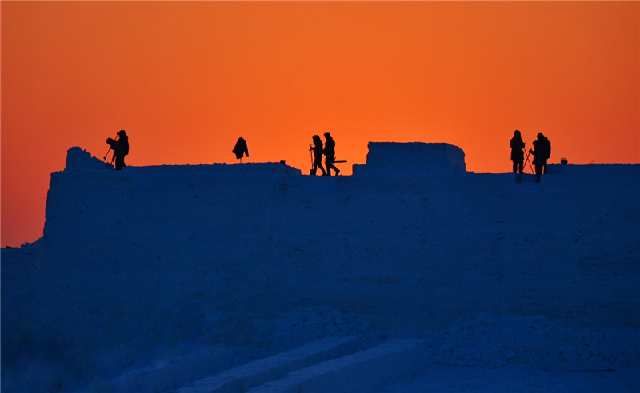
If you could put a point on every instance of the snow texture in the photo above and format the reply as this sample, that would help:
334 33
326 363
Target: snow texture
152 278
262 370
350 373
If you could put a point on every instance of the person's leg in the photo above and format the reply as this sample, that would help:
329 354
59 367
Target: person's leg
318 165
331 166
517 170
328 164
119 162
520 166
538 171
335 168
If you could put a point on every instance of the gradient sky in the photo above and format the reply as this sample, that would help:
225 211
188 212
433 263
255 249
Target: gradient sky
185 79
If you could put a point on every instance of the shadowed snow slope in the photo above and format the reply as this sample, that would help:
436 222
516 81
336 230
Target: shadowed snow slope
256 258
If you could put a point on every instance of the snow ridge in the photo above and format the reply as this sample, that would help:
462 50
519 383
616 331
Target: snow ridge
251 260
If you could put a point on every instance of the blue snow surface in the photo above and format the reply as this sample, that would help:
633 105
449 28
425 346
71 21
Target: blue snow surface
411 275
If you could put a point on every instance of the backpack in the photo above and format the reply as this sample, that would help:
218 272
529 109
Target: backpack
547 147
124 145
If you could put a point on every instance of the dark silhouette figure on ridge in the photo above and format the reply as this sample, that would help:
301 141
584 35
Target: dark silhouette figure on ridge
330 154
316 156
541 153
241 149
517 152
120 149
547 147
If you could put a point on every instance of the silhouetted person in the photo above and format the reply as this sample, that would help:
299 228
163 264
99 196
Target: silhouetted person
241 149
517 152
541 153
330 154
547 150
316 151
120 149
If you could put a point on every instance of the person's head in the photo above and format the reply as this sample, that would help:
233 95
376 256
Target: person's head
317 140
327 134
517 134
540 135
122 133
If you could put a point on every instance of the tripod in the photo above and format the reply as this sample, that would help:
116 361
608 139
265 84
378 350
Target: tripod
527 161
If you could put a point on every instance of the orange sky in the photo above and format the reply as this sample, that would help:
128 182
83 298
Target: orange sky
186 79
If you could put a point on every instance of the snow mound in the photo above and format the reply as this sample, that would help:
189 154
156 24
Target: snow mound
412 159
79 159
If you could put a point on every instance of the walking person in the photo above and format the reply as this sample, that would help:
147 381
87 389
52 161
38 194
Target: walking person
316 152
330 154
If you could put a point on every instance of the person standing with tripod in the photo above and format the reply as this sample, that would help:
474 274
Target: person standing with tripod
120 149
541 153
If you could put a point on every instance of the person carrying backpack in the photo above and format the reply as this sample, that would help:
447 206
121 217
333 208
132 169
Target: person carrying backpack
547 151
120 149
541 153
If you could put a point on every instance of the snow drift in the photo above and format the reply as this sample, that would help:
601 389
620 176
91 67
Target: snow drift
392 159
249 259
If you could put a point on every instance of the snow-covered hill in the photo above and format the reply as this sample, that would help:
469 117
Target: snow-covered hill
192 270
